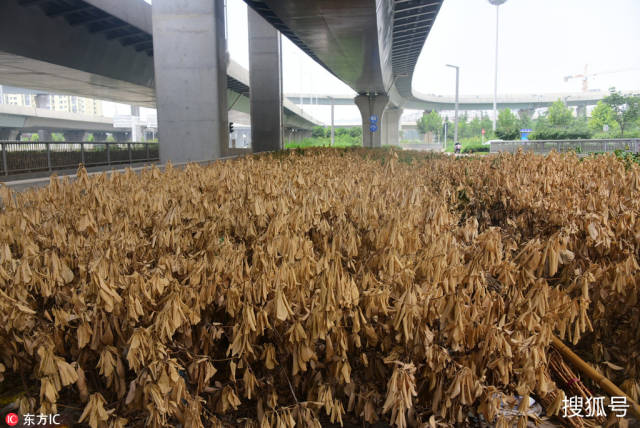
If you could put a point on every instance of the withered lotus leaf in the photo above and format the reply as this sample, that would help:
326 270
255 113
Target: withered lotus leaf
323 286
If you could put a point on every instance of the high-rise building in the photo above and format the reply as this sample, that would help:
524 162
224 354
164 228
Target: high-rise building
69 103
18 99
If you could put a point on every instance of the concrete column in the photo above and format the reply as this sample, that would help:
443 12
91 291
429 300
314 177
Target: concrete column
121 137
99 136
391 126
137 134
265 71
371 105
44 135
74 135
190 60
9 134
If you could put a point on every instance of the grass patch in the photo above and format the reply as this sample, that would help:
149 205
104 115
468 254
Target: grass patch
340 141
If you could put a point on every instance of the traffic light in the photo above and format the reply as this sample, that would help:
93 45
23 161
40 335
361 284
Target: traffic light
230 127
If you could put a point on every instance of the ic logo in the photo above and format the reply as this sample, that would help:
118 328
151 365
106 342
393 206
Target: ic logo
11 419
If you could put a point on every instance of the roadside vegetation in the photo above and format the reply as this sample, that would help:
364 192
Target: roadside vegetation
616 116
321 137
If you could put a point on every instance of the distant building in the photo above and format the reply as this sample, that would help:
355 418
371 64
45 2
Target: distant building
69 103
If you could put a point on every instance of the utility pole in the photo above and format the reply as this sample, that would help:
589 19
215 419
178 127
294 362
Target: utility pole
455 130
497 4
445 134
332 130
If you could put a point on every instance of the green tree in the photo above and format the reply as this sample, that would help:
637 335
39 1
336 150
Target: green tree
431 122
507 126
340 131
626 109
602 115
487 124
475 127
463 126
355 132
317 132
525 121
559 114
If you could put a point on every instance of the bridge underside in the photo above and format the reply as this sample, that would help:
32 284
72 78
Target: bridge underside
23 72
371 45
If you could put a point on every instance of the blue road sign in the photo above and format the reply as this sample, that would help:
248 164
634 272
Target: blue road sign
373 127
373 119
524 134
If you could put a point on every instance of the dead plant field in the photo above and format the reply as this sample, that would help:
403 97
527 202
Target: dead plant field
319 286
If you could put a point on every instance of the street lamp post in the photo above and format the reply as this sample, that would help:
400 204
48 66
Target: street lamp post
455 130
332 128
497 4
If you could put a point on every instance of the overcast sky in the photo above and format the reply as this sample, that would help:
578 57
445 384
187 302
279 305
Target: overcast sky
540 42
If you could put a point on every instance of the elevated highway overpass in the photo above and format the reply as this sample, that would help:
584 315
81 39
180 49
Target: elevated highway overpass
32 119
478 102
102 49
371 45
174 55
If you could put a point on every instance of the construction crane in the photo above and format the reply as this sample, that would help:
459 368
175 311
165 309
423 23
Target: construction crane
586 75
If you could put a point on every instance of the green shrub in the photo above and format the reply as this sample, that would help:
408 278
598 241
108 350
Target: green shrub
473 149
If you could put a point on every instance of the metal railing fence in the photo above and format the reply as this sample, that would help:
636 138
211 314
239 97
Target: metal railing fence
32 156
578 146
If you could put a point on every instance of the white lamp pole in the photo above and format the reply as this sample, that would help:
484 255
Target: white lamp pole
496 3
455 130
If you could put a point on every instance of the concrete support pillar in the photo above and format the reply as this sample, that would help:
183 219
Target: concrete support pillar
9 134
137 133
99 136
121 137
371 107
74 135
44 135
581 111
190 59
265 71
43 101
390 129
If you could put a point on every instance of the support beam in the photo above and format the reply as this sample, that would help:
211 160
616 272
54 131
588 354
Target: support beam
265 76
391 126
371 105
191 82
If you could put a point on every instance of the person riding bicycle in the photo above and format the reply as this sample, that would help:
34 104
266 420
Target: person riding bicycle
457 147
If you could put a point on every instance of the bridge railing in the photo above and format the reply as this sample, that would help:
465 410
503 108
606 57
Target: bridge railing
578 146
33 156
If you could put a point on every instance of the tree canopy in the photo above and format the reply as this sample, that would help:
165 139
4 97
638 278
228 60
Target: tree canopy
430 122
626 109
507 126
559 114
602 115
